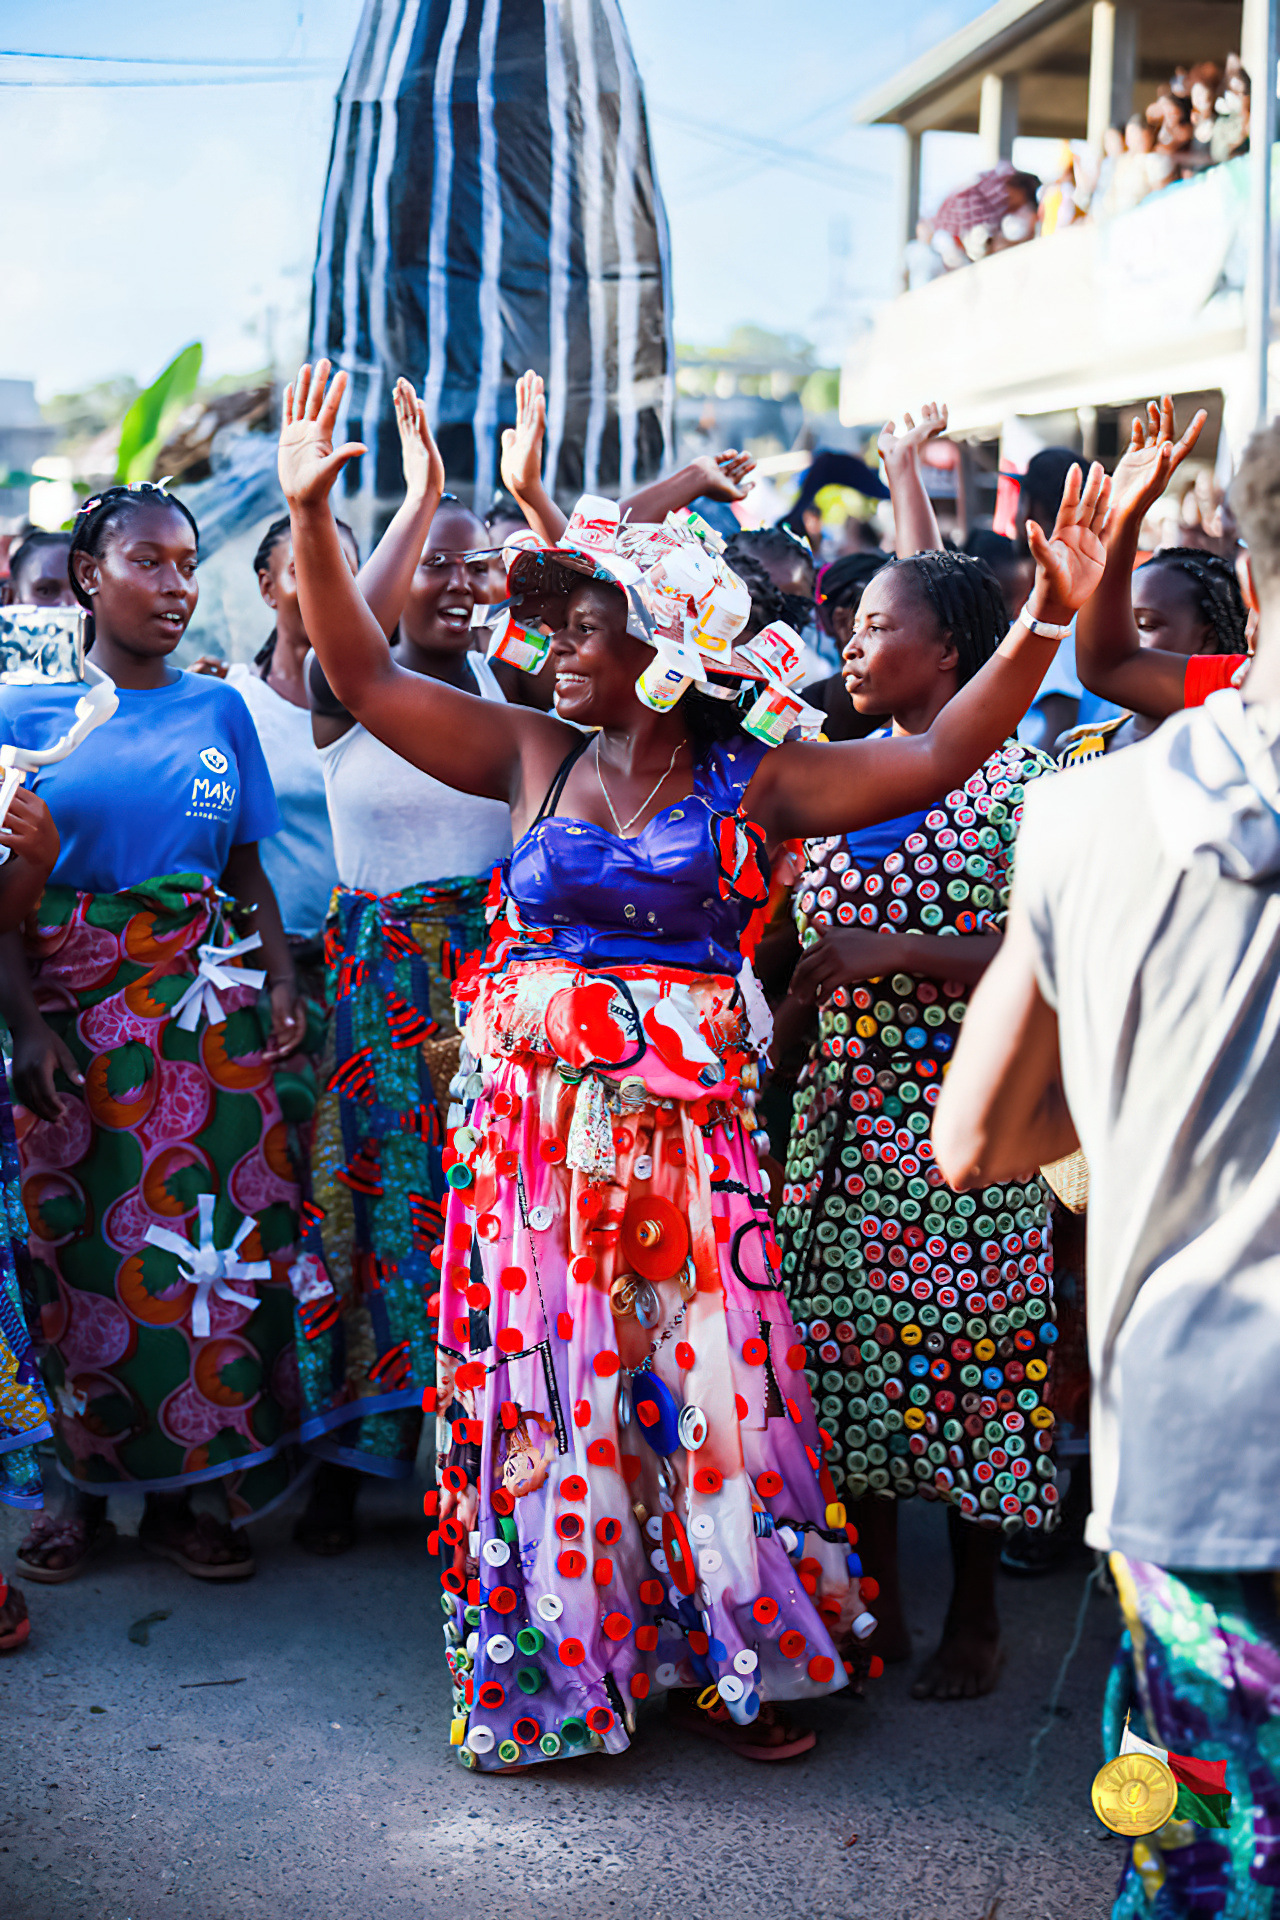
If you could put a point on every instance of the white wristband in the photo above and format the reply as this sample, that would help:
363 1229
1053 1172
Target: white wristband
1041 628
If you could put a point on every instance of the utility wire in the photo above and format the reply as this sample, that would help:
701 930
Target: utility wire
751 146
155 60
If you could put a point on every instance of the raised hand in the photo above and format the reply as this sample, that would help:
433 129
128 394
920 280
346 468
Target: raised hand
309 463
727 474
1069 563
1149 461
896 447
522 444
419 454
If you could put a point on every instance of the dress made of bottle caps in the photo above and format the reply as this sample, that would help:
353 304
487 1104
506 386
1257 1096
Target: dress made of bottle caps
633 1494
928 1315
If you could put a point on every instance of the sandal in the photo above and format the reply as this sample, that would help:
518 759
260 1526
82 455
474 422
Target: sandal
15 1628
62 1534
172 1543
738 1739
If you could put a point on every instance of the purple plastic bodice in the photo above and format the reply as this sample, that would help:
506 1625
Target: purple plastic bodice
652 900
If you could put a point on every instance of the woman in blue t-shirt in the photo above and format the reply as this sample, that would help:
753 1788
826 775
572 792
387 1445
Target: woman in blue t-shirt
142 1065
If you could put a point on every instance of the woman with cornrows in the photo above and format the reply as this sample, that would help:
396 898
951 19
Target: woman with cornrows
634 1496
162 1204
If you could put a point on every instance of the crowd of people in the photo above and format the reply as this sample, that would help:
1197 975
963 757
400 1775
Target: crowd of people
616 944
1198 119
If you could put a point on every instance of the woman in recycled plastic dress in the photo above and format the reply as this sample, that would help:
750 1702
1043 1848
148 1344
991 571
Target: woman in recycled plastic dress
633 1492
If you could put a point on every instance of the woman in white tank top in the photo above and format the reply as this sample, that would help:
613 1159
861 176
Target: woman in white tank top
414 865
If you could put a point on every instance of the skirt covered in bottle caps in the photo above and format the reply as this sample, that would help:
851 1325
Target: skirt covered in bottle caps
632 1490
928 1314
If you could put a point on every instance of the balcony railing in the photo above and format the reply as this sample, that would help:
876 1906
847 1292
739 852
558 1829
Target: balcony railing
1102 314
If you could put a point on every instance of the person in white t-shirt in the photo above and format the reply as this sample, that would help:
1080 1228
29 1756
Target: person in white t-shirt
274 687
1134 1009
414 861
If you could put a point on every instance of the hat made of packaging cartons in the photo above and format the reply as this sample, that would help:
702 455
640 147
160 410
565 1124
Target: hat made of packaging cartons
682 599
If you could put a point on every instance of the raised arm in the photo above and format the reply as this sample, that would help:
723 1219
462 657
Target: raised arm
387 575
522 460
804 791
1110 658
721 476
915 525
473 745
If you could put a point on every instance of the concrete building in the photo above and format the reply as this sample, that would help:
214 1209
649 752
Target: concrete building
1058 339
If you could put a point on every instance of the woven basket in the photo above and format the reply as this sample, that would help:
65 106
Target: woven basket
1069 1178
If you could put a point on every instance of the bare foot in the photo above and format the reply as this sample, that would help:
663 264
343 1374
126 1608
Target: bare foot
966 1665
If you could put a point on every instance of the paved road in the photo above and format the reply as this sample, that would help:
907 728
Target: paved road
320 1787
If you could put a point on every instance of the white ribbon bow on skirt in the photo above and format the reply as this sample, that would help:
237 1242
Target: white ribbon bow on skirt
211 1267
213 972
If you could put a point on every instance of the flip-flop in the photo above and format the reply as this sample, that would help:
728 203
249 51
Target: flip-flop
49 1535
198 1569
710 1729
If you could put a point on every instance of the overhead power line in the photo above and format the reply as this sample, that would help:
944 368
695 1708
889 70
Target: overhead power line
157 60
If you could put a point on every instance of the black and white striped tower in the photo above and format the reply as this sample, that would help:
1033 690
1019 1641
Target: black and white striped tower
491 205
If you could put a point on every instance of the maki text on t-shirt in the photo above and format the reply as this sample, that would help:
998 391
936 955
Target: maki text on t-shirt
212 799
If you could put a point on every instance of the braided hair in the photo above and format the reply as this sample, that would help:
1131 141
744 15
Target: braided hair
97 518
1219 600
965 595
746 553
843 583
275 535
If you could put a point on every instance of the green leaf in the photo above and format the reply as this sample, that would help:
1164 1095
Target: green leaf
140 1631
146 425
129 1068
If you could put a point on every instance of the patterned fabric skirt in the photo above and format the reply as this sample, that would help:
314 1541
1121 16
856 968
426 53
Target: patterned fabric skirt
633 1493
160 1379
928 1315
364 1345
24 1407
1206 1656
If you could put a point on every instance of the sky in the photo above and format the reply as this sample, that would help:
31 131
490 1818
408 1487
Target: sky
134 218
